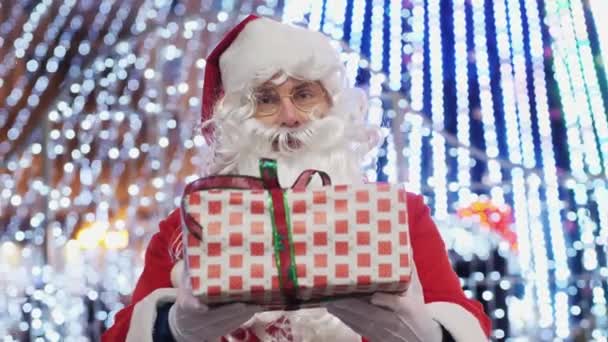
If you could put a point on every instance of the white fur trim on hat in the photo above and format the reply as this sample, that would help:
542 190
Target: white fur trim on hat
462 324
143 317
266 47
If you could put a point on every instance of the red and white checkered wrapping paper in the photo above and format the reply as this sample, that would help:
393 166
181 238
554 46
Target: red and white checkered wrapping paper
347 239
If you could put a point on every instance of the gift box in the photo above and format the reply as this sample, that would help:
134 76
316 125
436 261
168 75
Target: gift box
249 240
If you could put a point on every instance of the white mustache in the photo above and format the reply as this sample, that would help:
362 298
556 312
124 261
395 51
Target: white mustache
288 142
318 134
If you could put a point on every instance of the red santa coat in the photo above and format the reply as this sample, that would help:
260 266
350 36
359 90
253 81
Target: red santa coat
463 318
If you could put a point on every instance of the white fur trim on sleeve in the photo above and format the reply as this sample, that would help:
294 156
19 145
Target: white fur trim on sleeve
144 314
177 273
462 324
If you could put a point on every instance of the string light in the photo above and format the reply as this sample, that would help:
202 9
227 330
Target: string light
375 113
376 36
514 155
578 120
334 19
20 44
413 151
356 29
462 99
438 180
600 123
316 13
553 206
21 48
8 25
594 94
522 101
294 11
395 46
573 135
485 99
64 110
567 49
598 8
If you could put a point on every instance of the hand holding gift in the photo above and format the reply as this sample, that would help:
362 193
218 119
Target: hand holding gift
390 318
191 321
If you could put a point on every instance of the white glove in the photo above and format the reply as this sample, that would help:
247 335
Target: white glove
191 321
390 318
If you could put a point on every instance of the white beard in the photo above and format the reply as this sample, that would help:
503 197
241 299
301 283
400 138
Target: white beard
336 165
325 146
336 143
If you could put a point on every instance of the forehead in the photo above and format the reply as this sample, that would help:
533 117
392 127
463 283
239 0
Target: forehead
279 83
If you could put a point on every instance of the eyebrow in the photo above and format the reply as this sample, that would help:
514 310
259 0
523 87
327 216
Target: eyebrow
263 88
303 84
268 86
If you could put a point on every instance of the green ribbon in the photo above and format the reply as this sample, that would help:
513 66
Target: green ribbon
268 170
276 240
269 165
293 271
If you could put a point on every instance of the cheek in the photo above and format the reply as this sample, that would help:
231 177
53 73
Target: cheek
266 120
323 110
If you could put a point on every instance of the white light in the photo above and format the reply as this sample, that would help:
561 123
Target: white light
462 98
376 35
558 244
183 87
113 153
157 182
16 200
149 74
222 16
163 142
199 140
171 124
316 12
577 80
512 97
357 25
36 148
395 48
499 313
133 190
334 18
133 152
440 202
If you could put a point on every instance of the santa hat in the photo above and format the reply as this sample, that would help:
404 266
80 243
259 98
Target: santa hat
258 48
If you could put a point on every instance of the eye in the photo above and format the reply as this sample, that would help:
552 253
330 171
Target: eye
304 94
266 98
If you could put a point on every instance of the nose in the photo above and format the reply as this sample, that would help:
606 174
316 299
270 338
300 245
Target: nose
289 115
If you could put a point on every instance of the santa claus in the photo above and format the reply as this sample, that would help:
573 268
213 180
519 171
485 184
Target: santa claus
278 91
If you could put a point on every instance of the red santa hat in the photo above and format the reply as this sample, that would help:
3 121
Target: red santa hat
259 47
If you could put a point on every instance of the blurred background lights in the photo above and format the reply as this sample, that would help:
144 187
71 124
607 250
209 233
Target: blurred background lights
494 110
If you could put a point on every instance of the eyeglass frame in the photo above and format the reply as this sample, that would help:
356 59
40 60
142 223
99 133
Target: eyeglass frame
252 98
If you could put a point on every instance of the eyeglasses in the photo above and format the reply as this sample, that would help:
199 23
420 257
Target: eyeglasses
305 97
